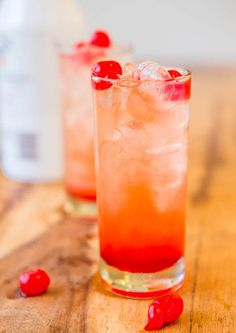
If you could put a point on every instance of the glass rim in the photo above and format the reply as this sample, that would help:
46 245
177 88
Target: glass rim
187 75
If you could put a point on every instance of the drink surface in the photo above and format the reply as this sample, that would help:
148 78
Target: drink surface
142 127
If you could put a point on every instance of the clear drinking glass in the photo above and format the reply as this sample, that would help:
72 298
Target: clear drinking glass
141 169
75 68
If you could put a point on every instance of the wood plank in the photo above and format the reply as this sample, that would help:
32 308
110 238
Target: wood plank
214 207
76 302
67 253
10 193
29 212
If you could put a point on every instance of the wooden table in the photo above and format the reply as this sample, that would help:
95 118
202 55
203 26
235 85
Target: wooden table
35 232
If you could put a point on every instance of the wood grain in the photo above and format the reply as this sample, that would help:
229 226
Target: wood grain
35 232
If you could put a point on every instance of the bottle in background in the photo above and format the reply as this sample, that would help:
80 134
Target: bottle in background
29 85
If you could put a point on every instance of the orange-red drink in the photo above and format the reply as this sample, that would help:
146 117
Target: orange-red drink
141 147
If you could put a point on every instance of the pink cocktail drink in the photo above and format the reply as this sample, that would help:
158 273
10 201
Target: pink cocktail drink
78 120
78 125
142 143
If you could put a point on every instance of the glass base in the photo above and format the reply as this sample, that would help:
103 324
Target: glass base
82 209
142 285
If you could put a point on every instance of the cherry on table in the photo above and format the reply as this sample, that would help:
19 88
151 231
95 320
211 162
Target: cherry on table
173 305
155 318
165 309
34 282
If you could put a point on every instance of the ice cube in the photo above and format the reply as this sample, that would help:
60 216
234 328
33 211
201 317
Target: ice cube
127 77
129 69
151 70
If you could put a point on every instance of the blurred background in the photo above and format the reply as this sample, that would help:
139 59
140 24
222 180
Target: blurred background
46 161
180 32
199 34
